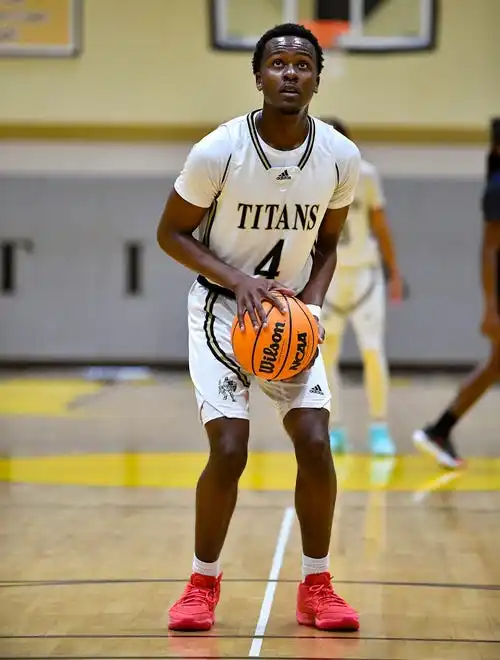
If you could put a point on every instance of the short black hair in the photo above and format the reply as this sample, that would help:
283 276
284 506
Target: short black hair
340 127
286 30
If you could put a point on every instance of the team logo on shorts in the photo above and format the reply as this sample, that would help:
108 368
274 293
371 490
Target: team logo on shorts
227 388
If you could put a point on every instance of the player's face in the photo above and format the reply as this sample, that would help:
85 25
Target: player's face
288 76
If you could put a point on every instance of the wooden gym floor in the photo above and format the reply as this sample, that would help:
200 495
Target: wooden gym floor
96 529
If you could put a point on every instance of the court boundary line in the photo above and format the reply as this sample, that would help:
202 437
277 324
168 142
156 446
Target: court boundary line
12 584
166 635
174 657
167 507
272 582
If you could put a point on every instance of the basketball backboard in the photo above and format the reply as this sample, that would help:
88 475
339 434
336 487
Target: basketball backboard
355 26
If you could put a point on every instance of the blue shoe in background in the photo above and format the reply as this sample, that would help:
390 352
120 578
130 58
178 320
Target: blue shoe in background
381 443
338 440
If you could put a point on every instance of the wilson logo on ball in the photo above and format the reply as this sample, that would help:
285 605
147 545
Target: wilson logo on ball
281 350
270 353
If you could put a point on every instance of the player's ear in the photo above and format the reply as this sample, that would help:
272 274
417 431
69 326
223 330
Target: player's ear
258 81
317 85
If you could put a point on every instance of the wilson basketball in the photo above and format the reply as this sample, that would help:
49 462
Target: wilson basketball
284 348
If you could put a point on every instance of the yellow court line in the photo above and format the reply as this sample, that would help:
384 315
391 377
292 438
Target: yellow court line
43 397
381 470
265 471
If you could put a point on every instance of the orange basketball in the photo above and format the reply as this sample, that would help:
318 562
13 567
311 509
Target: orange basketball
284 348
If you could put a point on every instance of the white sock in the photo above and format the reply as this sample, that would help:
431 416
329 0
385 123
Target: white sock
206 568
311 565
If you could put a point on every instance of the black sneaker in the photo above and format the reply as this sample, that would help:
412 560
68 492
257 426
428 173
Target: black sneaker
441 449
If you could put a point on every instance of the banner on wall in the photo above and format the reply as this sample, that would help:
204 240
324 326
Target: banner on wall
40 28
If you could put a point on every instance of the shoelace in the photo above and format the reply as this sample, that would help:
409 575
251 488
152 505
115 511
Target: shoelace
197 596
326 595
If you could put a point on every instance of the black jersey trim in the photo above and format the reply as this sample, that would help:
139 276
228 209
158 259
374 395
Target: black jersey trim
255 139
213 207
252 129
214 347
215 288
310 144
210 221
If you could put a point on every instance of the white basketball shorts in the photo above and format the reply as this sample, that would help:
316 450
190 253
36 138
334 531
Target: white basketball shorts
357 295
222 388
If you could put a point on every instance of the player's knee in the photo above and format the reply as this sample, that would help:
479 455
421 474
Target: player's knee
312 446
372 352
229 454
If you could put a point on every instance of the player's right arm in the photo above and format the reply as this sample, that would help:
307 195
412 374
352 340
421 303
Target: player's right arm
192 195
490 268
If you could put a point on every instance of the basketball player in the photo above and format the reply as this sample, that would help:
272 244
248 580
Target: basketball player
357 294
436 438
268 194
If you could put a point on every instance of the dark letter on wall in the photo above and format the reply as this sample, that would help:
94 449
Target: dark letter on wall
9 251
133 268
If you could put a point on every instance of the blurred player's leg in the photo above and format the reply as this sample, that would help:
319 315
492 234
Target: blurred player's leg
334 322
331 354
436 438
369 325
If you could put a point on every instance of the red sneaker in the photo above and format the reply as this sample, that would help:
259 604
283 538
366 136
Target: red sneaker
318 605
195 609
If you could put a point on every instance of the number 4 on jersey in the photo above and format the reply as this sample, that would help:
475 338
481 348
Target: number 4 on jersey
269 266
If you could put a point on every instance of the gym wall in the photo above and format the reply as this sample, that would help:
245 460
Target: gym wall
150 62
81 276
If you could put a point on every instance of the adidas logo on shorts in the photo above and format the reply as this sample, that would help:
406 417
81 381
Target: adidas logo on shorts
316 390
284 176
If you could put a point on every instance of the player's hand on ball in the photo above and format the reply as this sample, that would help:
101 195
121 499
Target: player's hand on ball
251 291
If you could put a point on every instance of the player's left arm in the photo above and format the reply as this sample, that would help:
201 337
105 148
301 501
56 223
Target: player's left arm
383 235
381 230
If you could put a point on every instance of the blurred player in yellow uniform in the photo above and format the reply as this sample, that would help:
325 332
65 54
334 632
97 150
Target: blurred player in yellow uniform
357 294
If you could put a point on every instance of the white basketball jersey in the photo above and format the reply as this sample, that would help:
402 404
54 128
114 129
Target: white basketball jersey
357 245
265 206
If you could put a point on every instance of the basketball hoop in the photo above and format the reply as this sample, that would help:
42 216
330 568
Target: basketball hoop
328 32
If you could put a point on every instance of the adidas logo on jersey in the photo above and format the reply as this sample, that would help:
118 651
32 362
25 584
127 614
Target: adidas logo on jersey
316 390
284 176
